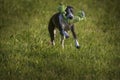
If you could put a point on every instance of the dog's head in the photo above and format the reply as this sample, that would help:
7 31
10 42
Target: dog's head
69 12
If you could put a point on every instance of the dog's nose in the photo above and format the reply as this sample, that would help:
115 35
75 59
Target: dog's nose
71 17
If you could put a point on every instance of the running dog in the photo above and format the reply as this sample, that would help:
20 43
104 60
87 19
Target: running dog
58 21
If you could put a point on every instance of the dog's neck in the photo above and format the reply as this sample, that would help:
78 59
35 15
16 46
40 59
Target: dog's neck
65 23
65 19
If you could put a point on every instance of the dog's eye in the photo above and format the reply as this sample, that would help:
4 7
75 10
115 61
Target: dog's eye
71 10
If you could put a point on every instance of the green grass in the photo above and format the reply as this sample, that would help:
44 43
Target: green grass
25 53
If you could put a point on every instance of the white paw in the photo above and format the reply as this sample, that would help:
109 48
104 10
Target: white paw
53 43
77 44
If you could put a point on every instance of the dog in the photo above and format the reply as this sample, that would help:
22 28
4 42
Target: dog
58 21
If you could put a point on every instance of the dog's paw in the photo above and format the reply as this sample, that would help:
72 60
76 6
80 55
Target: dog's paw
66 37
78 47
52 43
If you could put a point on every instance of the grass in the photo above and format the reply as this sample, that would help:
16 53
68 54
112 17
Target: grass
25 53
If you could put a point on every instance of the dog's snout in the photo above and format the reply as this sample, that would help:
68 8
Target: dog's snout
71 17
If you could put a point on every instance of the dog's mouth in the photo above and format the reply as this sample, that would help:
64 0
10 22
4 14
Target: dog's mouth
70 16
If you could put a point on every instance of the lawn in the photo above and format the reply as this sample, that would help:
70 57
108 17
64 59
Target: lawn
25 52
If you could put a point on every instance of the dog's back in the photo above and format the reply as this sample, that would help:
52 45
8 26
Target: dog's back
54 21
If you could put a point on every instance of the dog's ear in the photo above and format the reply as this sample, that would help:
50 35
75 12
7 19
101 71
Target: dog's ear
70 7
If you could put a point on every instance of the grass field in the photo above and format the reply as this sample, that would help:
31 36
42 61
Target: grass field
25 53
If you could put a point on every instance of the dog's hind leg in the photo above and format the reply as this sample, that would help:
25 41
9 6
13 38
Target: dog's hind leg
54 32
62 40
51 28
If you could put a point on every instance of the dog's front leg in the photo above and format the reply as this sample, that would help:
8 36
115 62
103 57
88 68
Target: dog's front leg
65 34
74 35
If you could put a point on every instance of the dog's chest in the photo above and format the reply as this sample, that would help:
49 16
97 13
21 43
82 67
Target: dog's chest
64 24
